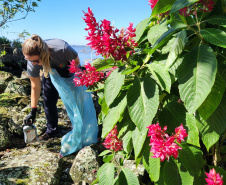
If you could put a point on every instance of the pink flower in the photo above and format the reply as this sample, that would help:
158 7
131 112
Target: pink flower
152 3
87 77
72 67
180 133
162 145
107 40
214 178
112 142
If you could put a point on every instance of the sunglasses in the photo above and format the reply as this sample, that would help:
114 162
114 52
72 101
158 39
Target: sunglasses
35 61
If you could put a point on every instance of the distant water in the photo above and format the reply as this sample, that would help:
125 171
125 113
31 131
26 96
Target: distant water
85 53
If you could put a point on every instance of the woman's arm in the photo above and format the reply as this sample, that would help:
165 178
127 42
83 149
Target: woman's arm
35 90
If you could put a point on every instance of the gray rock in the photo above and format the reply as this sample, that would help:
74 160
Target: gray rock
30 166
85 165
4 138
5 77
20 86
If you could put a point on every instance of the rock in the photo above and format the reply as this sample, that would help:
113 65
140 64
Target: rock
85 165
30 166
5 77
20 86
4 138
131 164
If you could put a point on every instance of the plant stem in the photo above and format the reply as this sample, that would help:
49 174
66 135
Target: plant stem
215 157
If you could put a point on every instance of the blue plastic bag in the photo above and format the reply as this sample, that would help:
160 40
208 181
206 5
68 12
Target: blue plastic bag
80 109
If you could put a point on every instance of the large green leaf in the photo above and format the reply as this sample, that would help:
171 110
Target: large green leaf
176 48
181 4
152 165
101 63
127 177
114 114
106 174
199 179
113 85
140 28
162 6
127 142
213 99
171 173
186 177
172 115
193 132
196 76
161 75
143 101
191 158
212 129
138 141
208 135
217 20
156 31
214 36
163 39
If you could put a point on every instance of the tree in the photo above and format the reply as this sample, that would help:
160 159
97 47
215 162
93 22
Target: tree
9 8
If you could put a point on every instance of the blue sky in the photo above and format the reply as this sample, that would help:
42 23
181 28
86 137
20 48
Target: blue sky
63 18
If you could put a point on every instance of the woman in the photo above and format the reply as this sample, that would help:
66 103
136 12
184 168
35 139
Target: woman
53 57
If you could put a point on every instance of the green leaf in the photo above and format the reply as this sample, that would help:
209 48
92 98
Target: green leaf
140 28
104 152
196 76
113 85
191 158
127 142
208 135
114 114
106 174
171 173
163 39
176 48
213 99
108 158
162 6
186 177
100 63
217 20
161 75
199 179
98 87
181 4
130 70
214 36
138 141
156 31
172 115
193 132
130 177
143 101
152 165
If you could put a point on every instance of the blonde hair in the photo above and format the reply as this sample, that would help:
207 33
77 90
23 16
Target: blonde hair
36 46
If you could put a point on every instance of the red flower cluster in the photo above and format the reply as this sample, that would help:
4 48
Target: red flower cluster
163 145
86 77
107 40
214 178
112 142
202 5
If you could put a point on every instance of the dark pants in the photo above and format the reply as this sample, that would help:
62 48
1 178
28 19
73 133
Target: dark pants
50 96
